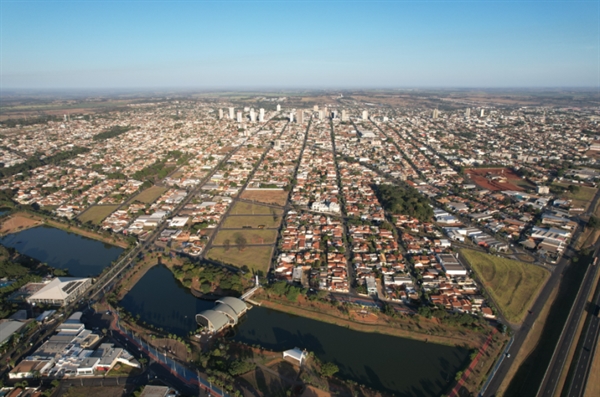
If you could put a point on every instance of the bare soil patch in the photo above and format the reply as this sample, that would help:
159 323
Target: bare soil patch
276 197
18 222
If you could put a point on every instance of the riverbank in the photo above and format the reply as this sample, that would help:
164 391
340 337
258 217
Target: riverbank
23 220
404 328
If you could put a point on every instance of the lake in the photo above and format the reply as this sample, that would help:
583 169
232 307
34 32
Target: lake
403 367
82 256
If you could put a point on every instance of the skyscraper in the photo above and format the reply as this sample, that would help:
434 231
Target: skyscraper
435 114
231 115
482 113
365 115
468 112
261 115
316 108
278 107
321 114
239 117
344 115
291 117
220 114
252 115
299 116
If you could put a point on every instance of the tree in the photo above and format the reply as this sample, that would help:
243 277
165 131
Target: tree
240 242
594 222
227 244
327 370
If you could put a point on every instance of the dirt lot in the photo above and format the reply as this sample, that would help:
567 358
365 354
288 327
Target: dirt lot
17 223
276 197
483 178
150 195
242 208
256 258
94 391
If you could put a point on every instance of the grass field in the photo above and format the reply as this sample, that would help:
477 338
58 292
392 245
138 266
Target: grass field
513 284
241 208
150 195
97 213
256 258
277 197
254 221
580 199
253 236
94 391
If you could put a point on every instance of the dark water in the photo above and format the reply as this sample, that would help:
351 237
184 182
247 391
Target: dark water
63 250
403 367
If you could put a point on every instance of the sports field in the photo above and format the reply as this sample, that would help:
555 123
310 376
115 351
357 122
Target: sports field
512 284
97 213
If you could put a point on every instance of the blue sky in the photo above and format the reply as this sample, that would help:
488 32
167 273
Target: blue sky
296 44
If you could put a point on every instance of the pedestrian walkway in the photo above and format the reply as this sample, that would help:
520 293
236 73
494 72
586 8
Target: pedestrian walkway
465 375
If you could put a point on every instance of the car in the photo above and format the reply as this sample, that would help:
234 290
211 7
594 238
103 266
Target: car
507 355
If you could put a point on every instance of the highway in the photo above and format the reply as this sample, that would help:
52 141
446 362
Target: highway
584 361
520 333
568 335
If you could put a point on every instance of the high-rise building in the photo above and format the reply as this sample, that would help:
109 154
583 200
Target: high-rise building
334 114
299 116
261 115
325 111
220 114
365 115
291 117
231 115
316 108
239 117
321 114
344 115
435 113
482 113
65 118
468 112
252 115
278 107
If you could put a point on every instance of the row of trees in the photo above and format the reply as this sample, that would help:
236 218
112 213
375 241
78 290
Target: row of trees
112 132
35 161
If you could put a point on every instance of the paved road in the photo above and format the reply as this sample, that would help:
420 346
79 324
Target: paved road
565 343
520 335
590 340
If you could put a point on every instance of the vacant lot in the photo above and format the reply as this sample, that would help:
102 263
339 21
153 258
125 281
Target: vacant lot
256 258
252 236
513 284
17 223
97 213
276 197
581 198
241 208
94 391
252 221
150 195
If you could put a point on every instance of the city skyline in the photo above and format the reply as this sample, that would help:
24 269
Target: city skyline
298 44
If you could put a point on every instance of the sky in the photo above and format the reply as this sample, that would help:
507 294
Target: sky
82 44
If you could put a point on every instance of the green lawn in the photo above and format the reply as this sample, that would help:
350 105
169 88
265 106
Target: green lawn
242 208
150 195
253 236
256 258
97 213
254 221
581 198
512 284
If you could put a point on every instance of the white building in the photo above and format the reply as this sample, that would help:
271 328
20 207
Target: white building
261 115
60 291
231 113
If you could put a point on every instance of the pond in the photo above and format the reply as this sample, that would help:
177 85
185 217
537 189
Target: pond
403 367
82 256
